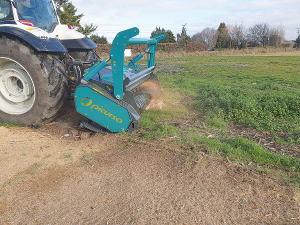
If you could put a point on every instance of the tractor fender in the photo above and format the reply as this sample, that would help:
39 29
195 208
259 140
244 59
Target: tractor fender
41 43
79 44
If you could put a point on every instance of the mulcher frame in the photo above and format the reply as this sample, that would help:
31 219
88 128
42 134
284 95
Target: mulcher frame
116 98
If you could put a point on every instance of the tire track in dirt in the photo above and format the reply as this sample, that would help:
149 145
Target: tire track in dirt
23 151
139 184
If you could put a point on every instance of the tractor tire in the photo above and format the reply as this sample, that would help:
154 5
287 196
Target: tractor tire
32 85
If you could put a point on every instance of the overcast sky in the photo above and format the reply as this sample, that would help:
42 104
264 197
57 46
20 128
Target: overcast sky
116 15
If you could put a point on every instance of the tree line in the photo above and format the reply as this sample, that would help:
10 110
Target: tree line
226 36
230 36
182 38
238 36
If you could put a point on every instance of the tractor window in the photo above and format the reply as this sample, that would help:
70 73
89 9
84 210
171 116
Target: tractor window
40 12
5 10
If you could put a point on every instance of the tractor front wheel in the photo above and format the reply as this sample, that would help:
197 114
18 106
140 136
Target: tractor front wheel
32 85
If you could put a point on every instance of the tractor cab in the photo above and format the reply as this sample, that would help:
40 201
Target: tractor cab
35 13
5 10
38 13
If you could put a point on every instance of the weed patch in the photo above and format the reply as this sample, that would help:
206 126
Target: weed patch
263 110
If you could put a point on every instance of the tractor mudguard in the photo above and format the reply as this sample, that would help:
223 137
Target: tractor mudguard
79 44
38 43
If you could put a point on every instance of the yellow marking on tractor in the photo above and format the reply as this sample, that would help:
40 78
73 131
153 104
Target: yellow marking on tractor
98 91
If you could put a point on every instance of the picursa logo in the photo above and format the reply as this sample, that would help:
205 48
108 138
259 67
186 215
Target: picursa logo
86 101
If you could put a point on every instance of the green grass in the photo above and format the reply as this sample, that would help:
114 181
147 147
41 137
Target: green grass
7 125
247 151
154 127
259 92
67 156
267 109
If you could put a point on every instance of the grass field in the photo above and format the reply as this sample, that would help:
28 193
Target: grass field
220 97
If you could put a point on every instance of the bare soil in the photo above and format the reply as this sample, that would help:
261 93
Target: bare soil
61 174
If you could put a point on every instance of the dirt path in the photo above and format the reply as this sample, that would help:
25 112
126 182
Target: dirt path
59 175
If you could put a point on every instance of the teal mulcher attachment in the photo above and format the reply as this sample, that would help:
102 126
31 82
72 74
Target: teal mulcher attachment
109 104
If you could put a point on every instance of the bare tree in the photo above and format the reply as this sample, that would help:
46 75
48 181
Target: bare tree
259 34
276 35
208 36
237 34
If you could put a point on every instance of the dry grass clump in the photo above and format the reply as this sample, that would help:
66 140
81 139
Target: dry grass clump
232 52
266 51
